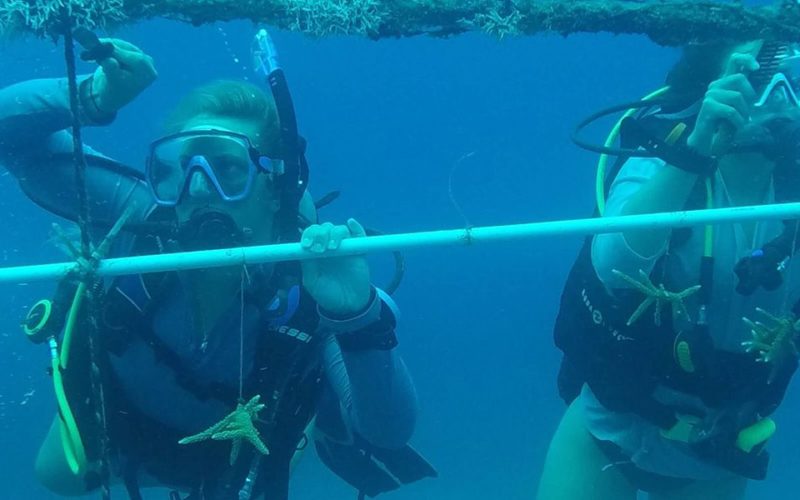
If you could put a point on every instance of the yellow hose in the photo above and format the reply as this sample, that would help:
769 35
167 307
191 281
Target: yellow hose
72 319
602 163
71 441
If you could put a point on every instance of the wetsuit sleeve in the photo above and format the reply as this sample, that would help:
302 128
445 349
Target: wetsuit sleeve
36 146
369 378
36 113
611 251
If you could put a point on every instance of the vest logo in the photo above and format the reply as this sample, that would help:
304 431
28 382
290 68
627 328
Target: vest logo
294 332
599 320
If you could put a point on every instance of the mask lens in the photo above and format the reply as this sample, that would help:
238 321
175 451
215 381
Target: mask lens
789 63
224 158
165 174
781 90
231 170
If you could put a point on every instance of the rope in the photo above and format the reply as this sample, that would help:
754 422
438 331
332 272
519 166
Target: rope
79 159
87 276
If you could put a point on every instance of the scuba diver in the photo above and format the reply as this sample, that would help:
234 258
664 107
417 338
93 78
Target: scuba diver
680 343
208 382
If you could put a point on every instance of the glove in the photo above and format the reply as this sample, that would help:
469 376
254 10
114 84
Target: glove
121 77
759 269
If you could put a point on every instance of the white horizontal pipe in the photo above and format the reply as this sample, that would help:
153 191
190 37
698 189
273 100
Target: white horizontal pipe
293 251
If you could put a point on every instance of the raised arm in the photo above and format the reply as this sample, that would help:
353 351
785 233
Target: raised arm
36 145
648 186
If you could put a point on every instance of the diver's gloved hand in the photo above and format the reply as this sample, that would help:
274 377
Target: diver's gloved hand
121 77
760 269
725 108
340 285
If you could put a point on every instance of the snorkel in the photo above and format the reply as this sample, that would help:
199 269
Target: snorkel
292 181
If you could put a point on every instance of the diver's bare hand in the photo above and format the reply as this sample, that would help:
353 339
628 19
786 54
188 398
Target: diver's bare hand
121 77
726 107
338 284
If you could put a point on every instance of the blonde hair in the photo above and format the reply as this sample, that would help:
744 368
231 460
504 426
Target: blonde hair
232 99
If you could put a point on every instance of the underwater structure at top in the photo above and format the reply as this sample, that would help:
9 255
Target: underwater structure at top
666 22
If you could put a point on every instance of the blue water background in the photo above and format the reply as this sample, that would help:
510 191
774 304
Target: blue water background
387 123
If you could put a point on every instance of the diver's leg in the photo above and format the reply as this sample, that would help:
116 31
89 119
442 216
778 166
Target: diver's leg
575 467
52 469
729 489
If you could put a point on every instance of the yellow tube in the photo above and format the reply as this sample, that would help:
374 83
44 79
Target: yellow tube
72 319
602 163
71 441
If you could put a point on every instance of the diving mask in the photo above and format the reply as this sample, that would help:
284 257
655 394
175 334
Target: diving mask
227 159
776 81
